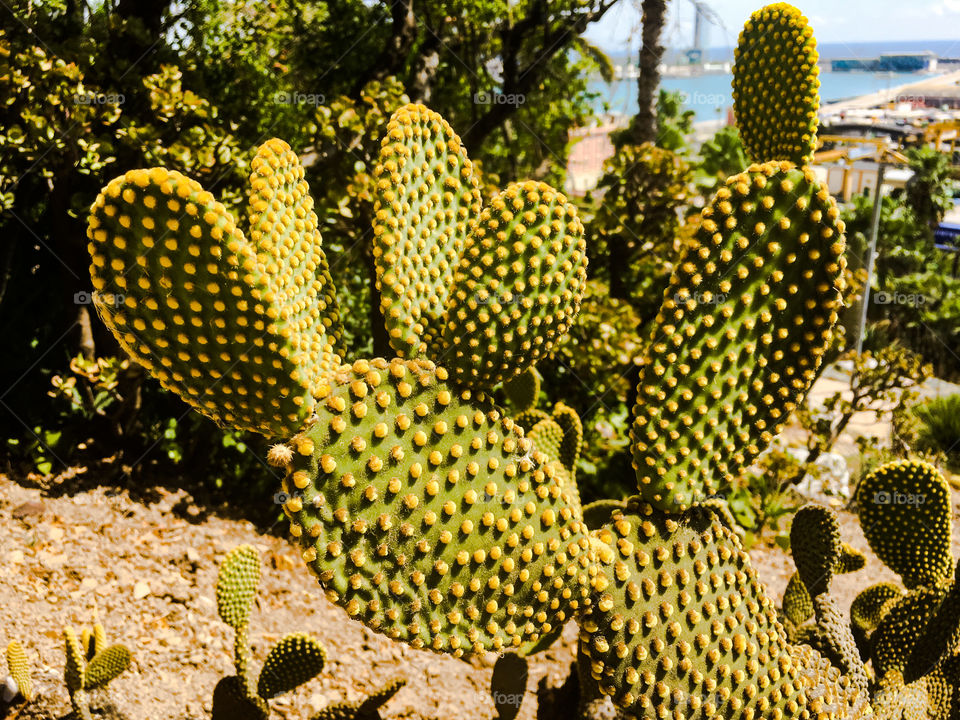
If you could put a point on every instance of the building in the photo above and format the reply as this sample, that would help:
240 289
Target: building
924 61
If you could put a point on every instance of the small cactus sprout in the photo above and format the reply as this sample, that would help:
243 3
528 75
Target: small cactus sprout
776 85
81 675
296 658
366 709
19 681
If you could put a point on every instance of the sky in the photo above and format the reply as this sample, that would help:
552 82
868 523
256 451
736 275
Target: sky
832 21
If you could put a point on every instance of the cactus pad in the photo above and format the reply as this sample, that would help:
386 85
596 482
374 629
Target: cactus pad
850 560
427 516
797 603
523 391
517 287
74 667
680 624
427 201
597 514
231 701
569 421
905 512
366 709
896 636
739 336
776 85
870 605
547 437
105 666
238 329
296 659
237 582
815 545
19 668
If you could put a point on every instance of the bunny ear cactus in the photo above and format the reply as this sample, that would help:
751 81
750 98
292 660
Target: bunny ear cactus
523 391
82 676
243 330
296 659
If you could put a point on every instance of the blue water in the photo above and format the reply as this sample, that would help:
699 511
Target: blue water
709 96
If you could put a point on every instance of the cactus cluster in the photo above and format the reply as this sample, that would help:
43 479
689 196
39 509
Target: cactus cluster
295 659
90 664
902 644
425 509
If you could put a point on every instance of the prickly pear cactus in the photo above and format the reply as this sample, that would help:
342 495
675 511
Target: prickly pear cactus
425 510
294 660
19 669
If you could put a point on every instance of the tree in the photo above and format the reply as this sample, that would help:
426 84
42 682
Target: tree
643 128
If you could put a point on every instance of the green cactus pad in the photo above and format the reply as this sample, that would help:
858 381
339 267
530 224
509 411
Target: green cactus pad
523 391
740 334
366 709
19 668
905 512
199 306
898 632
547 437
928 698
296 659
939 639
231 701
517 288
428 517
870 605
74 666
680 624
797 603
836 635
285 232
528 418
237 582
427 201
850 560
569 421
776 85
105 666
816 547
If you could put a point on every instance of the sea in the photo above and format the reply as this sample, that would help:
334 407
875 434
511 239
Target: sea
709 95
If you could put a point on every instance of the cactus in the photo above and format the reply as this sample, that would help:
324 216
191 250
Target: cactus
425 510
90 666
523 391
775 85
19 668
366 709
294 660
909 637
